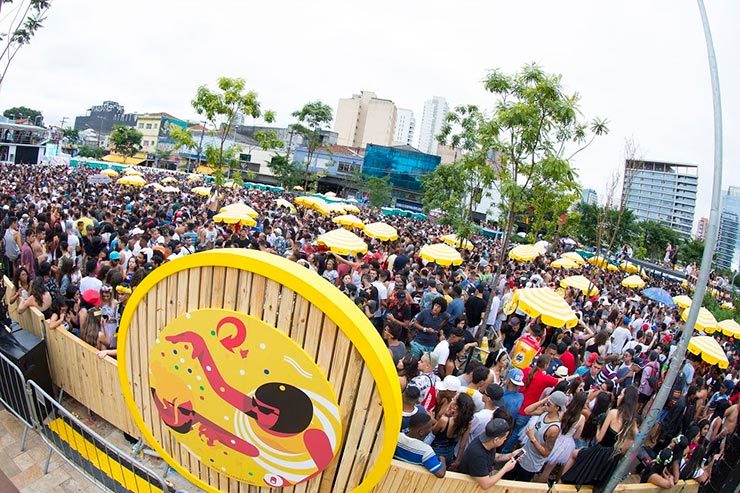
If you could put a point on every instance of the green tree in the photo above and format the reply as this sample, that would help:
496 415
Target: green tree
691 251
91 152
183 139
456 188
589 216
654 236
22 112
221 108
311 121
71 135
378 190
288 173
535 131
125 141
20 29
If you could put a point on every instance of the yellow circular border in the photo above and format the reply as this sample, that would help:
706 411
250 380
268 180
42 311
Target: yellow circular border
332 302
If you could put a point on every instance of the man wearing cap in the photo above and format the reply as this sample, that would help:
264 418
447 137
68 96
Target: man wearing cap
411 448
480 456
541 435
512 399
491 401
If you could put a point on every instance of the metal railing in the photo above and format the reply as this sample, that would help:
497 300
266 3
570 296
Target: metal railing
13 395
104 464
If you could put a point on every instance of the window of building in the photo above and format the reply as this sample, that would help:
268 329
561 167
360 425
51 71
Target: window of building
347 167
148 125
141 125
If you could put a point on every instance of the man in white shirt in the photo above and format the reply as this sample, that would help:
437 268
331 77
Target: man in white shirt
491 401
619 338
90 282
442 350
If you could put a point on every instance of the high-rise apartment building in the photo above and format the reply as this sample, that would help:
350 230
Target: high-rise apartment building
432 119
589 196
701 229
727 253
405 126
663 192
365 119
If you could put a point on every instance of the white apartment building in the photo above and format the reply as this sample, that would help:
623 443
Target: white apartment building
405 127
365 119
432 119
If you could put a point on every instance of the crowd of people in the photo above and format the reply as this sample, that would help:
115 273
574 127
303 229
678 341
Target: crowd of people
76 251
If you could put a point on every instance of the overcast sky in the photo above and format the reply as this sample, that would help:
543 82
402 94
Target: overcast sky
640 64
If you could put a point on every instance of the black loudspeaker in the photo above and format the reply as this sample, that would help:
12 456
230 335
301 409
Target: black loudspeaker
28 353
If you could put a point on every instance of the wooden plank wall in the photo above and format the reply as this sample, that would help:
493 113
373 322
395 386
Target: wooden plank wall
231 288
29 318
408 478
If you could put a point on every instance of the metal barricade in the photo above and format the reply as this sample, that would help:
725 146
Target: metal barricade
86 451
13 395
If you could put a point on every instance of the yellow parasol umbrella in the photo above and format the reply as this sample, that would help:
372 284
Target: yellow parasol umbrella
728 306
456 242
284 203
235 215
328 209
541 246
629 267
202 191
633 281
298 188
545 303
240 208
441 254
349 220
132 172
133 180
169 179
193 178
705 321
109 172
204 170
581 283
709 349
330 194
574 257
381 231
308 201
729 328
155 186
170 189
524 253
230 184
683 301
351 208
343 242
564 263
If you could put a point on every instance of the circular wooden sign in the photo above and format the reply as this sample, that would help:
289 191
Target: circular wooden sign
243 368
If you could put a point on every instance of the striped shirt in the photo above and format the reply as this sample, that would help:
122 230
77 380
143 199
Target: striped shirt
416 452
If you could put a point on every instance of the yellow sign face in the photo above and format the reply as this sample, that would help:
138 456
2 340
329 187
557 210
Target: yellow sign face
244 398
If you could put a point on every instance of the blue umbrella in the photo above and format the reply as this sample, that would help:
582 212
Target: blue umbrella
660 295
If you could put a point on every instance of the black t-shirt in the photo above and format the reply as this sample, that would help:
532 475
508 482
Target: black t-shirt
474 309
400 263
510 335
477 462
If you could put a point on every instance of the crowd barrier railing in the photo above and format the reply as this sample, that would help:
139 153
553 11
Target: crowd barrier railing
13 395
85 450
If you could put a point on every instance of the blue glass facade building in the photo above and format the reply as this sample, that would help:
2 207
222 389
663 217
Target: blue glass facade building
727 254
404 164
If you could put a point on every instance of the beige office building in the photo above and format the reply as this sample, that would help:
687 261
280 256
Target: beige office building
365 119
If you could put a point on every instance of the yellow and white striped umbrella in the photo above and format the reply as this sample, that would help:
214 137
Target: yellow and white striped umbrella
351 208
155 186
709 349
441 254
545 303
729 328
202 191
633 281
683 301
524 253
541 246
343 242
234 216
308 201
284 203
581 283
169 179
170 189
629 267
564 263
109 172
240 208
133 180
230 184
328 209
381 231
349 220
192 178
132 172
704 322
456 242
574 257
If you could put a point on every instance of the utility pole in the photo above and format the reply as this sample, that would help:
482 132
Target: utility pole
61 123
679 355
200 146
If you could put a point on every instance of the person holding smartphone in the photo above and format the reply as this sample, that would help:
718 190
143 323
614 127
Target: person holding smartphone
480 456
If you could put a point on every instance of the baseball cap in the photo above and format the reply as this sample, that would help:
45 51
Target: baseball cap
558 398
516 376
592 357
495 392
451 383
514 321
114 256
495 428
91 297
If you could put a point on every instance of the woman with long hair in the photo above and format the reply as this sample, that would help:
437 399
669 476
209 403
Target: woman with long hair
108 308
91 330
453 426
593 465
39 297
498 362
21 285
571 425
408 369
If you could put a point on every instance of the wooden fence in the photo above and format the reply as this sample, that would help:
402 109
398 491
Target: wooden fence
407 478
76 368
